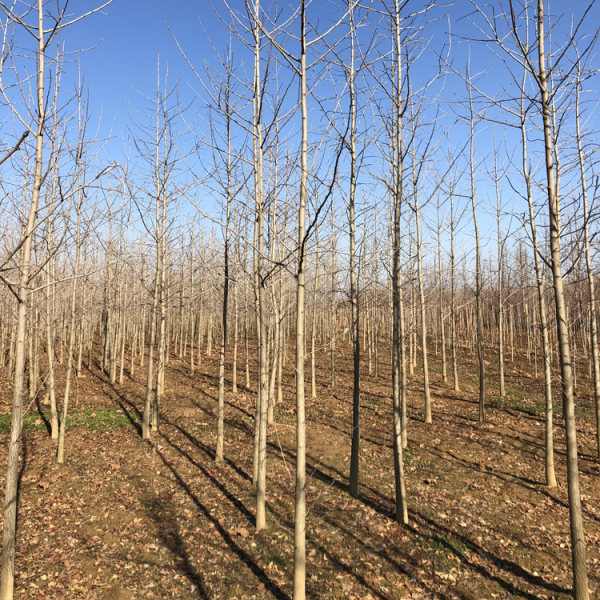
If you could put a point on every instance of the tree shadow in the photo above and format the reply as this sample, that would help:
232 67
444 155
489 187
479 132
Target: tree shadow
248 560
168 531
499 562
408 566
386 509
21 472
42 415
129 409
204 448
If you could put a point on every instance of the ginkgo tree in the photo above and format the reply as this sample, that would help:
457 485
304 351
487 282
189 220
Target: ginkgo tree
40 22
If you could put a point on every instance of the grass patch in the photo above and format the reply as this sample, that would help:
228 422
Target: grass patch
31 422
415 458
445 550
154 505
285 417
409 456
111 419
525 403
276 557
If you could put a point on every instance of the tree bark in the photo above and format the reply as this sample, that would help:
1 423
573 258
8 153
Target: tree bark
578 551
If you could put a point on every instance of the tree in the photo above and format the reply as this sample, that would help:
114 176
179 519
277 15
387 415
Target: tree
554 213
355 321
541 296
529 51
156 145
478 274
31 18
300 67
78 176
588 258
398 360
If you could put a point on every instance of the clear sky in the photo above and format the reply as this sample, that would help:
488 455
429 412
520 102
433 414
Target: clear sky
125 43
126 39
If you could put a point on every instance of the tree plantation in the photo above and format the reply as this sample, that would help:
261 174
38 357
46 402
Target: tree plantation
314 315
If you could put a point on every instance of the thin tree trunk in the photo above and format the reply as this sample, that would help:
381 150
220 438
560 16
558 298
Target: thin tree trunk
260 444
313 375
12 472
548 429
229 200
422 313
441 284
300 496
355 322
397 334
580 582
50 291
478 283
590 276
500 285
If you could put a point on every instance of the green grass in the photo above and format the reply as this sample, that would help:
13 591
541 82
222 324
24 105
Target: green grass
110 419
526 403
519 403
420 460
154 505
445 550
409 456
285 418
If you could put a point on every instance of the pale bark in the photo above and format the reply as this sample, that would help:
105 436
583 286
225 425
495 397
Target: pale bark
60 454
478 275
300 495
422 307
226 282
313 370
548 420
589 271
260 435
355 323
12 473
397 318
578 552
50 292
502 387
441 299
453 296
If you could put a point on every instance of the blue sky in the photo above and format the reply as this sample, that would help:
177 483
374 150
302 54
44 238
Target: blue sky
125 41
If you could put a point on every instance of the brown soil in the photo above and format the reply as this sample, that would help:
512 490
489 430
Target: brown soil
123 519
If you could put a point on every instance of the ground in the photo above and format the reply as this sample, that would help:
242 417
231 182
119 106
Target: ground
124 519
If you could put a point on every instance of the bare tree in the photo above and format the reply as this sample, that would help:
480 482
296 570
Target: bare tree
531 55
588 257
78 177
300 65
478 274
541 296
355 321
398 360
31 18
554 213
156 145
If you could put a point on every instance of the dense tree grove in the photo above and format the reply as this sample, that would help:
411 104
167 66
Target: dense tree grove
407 179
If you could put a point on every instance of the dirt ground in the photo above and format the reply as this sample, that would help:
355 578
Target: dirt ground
124 519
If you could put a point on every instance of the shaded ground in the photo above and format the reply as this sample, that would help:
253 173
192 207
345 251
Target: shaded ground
123 519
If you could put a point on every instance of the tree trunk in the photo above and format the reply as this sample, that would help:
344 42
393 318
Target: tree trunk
12 472
576 521
355 323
